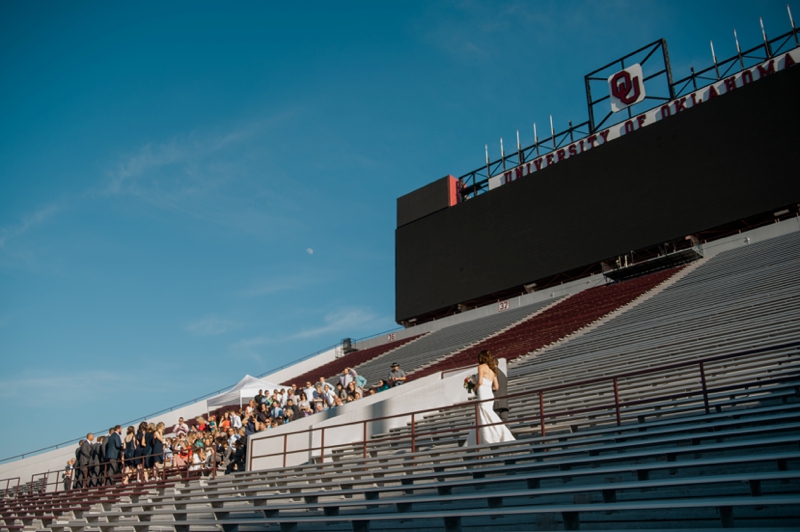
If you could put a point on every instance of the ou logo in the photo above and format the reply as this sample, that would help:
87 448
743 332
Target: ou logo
626 88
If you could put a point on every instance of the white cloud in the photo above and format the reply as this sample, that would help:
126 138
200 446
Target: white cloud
343 320
27 222
205 176
247 343
479 31
212 326
149 157
245 349
73 387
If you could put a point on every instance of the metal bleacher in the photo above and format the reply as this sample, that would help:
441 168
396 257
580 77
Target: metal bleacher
707 373
742 299
446 341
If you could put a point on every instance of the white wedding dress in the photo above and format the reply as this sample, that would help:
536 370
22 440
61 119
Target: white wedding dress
486 416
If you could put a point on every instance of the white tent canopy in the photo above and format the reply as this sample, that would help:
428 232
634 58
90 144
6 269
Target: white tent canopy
246 389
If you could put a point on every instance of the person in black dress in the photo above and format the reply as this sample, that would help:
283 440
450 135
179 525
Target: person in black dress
148 450
129 454
139 453
158 449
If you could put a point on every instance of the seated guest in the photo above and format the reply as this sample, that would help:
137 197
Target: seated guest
382 385
325 385
304 403
250 425
263 414
352 389
223 451
291 407
236 420
232 437
180 428
202 424
397 376
237 459
168 450
341 392
319 396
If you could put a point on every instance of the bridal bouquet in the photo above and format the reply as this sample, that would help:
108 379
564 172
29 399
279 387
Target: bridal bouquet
470 383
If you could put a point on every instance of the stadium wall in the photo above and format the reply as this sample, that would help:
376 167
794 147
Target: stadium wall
428 392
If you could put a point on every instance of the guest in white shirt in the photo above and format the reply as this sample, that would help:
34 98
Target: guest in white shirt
180 428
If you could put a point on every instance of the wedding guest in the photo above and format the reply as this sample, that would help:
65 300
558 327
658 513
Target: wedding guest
180 428
397 376
68 473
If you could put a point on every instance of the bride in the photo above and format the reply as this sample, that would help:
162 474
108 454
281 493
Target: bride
492 428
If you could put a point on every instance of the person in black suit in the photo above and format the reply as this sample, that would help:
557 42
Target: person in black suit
95 463
80 473
500 406
237 458
113 453
84 455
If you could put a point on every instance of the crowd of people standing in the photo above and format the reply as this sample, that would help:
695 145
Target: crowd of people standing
143 453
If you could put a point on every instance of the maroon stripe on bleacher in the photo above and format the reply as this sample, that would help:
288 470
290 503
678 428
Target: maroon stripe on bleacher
555 323
351 360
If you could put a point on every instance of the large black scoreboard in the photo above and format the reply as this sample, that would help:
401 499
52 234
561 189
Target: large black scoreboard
725 159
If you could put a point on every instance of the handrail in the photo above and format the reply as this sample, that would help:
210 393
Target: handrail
102 474
542 416
8 485
476 181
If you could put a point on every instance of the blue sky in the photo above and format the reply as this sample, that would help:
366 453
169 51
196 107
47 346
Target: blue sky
190 192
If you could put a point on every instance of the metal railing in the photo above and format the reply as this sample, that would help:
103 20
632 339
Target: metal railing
616 409
122 471
476 181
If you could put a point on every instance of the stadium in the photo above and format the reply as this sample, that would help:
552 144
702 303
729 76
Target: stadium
637 277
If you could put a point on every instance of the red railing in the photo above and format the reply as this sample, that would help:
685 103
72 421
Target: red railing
8 482
542 416
99 475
